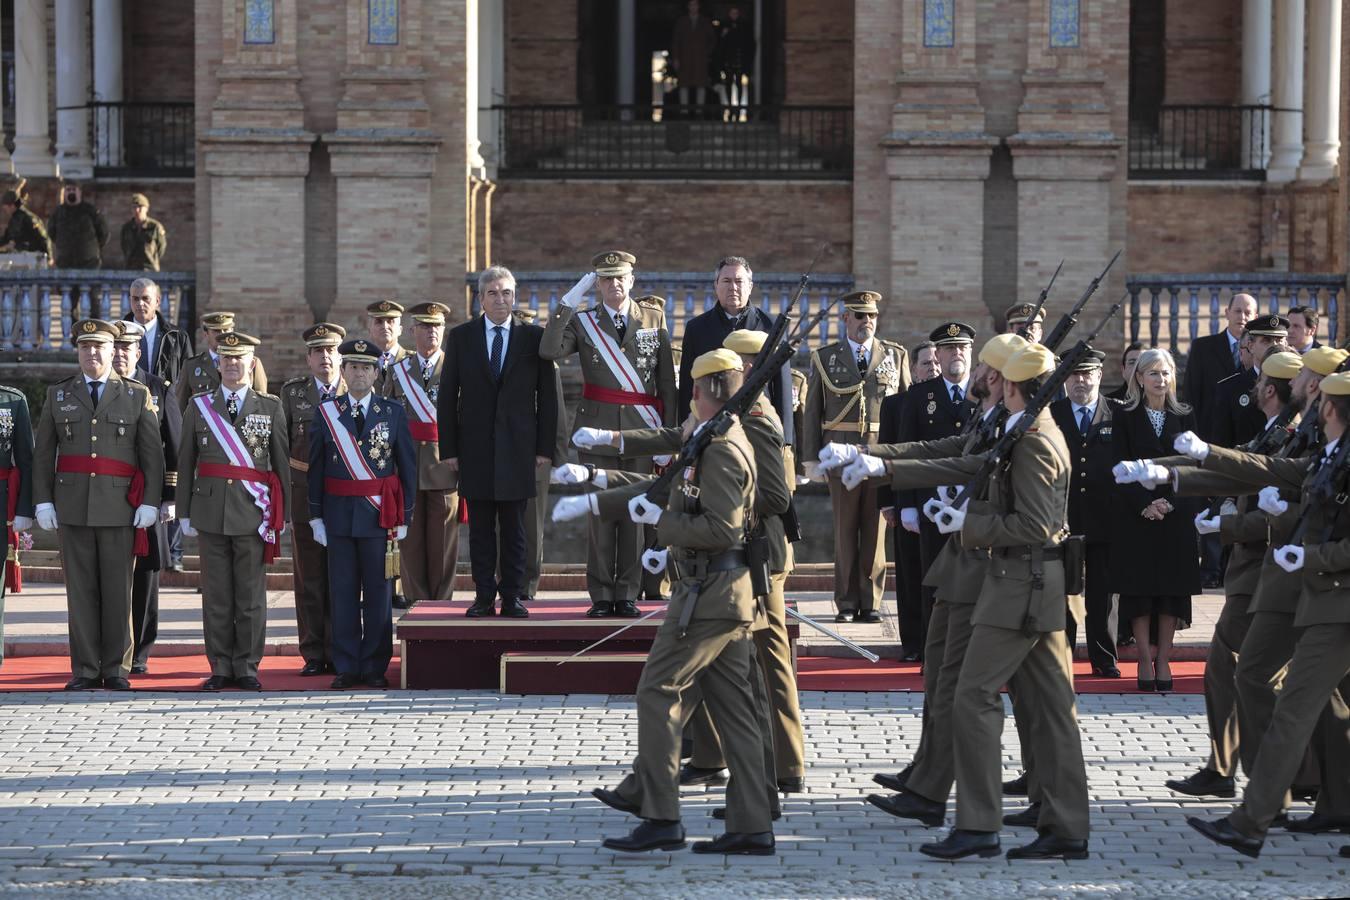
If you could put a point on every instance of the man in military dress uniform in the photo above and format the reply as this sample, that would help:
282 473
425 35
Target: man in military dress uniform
145 579
16 483
201 373
848 381
628 378
98 473
1018 317
362 487
384 324
300 399
233 470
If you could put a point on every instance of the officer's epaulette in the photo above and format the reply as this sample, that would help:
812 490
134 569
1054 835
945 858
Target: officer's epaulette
203 394
894 345
653 303
294 383
7 391
266 396
135 383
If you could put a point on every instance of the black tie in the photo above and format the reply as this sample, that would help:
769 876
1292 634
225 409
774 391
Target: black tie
496 359
93 390
957 396
358 413
862 362
426 375
232 406
620 327
1084 422
148 363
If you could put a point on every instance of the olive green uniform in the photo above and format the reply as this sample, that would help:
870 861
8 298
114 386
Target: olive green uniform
199 375
16 452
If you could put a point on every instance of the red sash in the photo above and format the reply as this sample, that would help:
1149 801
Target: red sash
622 398
389 489
276 510
13 572
424 431
100 465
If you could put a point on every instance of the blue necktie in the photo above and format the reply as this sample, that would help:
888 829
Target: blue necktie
1237 358
1084 422
957 396
495 360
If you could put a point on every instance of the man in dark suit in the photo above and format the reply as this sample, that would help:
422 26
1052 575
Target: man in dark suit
1302 329
1129 358
497 411
1085 418
1215 357
733 281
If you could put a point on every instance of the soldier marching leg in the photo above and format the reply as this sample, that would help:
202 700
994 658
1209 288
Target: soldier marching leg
1220 685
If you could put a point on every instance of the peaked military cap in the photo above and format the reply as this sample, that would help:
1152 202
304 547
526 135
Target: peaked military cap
613 262
524 314
220 320
862 302
430 313
360 350
128 332
1020 312
323 334
1091 360
952 333
93 331
385 309
1268 326
236 343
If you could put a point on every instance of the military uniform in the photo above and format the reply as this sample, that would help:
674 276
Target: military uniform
844 406
16 482
609 400
199 374
97 466
143 243
300 399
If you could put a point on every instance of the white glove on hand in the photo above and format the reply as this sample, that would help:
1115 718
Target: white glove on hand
947 493
46 516
1289 557
1269 501
579 290
185 528
1189 444
569 508
400 532
319 529
167 511
812 470
22 523
1128 472
569 473
145 516
662 460
834 455
654 561
588 437
950 519
1205 525
909 519
933 507
861 469
643 511
1154 475
1228 507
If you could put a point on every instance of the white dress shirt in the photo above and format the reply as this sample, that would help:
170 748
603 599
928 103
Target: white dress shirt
488 325
863 350
151 329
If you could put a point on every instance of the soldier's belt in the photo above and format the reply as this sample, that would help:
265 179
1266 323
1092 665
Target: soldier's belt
698 565
872 428
1025 552
100 465
424 431
276 510
622 398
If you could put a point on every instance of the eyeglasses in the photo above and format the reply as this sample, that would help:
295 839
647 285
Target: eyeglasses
862 316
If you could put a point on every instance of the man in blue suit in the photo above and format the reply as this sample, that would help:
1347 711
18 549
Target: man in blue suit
362 486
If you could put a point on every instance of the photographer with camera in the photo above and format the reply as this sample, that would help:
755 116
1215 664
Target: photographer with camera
78 231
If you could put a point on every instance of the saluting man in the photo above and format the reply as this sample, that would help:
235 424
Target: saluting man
629 382
201 373
362 487
235 492
98 473
848 381
16 486
300 398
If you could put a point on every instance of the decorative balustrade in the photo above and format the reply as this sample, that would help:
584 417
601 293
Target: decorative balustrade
38 306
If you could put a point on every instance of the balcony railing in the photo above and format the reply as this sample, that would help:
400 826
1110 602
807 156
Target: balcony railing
140 140
1177 309
1203 142
687 294
38 306
616 141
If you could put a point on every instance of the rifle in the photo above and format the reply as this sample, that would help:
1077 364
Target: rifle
1070 318
1327 485
1040 302
1272 439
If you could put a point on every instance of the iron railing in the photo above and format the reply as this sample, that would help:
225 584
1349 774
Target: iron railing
142 140
1180 308
38 306
617 141
687 294
1208 142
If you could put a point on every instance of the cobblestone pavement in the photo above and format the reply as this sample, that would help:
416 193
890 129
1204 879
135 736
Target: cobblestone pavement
423 794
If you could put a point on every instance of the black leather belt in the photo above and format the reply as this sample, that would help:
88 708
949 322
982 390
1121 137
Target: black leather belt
1025 553
697 565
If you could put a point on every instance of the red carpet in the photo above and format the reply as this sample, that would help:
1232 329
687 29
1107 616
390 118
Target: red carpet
816 673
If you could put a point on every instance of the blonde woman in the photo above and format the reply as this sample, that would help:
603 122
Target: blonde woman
1154 563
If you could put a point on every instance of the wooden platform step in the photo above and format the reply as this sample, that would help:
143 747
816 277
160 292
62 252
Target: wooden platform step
544 672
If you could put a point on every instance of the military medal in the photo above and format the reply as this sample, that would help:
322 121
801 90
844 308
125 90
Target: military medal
1244 400
932 406
256 431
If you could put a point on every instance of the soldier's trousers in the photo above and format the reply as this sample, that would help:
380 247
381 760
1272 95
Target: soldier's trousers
144 611
859 554
1040 662
909 591
429 552
1221 684
363 614
535 511
949 631
614 551
1321 665
309 577
234 602
98 566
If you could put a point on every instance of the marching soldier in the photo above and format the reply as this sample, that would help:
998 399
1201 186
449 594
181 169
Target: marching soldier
145 577
536 506
384 324
430 551
848 381
1017 317
98 452
300 399
629 382
201 373
362 484
235 494
16 482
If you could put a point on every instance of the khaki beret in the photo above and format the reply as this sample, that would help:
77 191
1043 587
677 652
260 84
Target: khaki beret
323 334
94 331
1285 364
1027 363
220 321
360 350
1325 360
1020 312
997 350
714 361
1337 385
385 309
745 341
129 331
431 313
613 262
140 200
862 301
236 343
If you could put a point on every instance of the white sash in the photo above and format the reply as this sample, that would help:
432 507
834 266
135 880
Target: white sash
348 451
619 365
418 402
233 446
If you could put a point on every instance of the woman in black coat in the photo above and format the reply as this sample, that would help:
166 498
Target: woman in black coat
1155 566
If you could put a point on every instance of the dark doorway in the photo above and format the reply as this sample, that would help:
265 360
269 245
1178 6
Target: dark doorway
1148 63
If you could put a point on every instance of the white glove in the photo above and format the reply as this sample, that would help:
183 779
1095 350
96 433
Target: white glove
319 529
834 455
167 511
569 473
643 511
569 508
185 528
1189 444
1206 525
811 469
947 493
400 532
861 469
46 516
145 516
1154 475
950 519
1128 472
909 519
654 561
1228 507
1269 501
1289 557
22 523
588 437
933 507
579 290
662 460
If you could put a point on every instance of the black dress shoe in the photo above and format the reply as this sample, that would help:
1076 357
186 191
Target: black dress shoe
894 782
911 806
512 609
116 683
960 844
601 610
869 617
613 800
344 681
1026 818
83 684
399 602
844 616
1164 685
1305 792
375 680
217 682
686 748
1205 783
1017 787
480 609
1106 671
720 812
1318 824
692 775
626 609
911 656
793 785
649 835
248 683
312 668
1221 831
1146 685
140 669
1050 846
743 844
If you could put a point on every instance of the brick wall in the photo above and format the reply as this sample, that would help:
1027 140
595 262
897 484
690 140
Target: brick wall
1203 52
818 52
541 51
158 62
